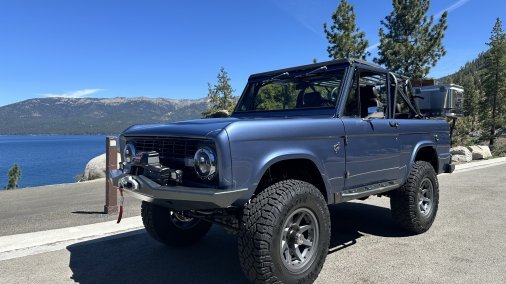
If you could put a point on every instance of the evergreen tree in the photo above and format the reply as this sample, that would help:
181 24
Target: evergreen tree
345 39
220 96
13 176
410 44
473 97
494 81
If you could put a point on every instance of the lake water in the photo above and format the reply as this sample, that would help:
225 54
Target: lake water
48 159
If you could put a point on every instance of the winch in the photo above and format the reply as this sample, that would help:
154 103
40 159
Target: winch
148 164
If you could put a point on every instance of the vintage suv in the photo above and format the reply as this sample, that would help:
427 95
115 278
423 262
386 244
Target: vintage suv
300 139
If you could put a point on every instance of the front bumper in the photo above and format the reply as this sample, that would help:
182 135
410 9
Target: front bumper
176 197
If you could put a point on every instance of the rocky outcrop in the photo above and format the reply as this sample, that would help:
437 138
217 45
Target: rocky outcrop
95 168
461 154
480 152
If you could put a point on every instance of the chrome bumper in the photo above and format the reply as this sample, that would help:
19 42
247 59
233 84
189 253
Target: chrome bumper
174 197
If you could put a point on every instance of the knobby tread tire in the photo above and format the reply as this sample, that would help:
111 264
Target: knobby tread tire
264 216
403 201
160 227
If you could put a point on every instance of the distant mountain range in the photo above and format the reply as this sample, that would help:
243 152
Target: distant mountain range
111 116
93 115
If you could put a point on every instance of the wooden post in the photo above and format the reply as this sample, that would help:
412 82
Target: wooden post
111 163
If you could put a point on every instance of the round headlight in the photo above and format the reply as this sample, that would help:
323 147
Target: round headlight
129 153
204 162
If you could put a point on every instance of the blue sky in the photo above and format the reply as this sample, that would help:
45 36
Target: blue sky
171 49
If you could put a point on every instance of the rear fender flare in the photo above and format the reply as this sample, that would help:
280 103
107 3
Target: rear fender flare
416 149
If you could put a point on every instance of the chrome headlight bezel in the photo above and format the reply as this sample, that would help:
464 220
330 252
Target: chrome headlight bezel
204 163
129 153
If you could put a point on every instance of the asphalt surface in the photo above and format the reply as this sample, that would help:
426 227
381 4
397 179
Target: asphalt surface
57 206
466 244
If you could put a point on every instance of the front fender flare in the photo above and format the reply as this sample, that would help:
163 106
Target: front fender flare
292 154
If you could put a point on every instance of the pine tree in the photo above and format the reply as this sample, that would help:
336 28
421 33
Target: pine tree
221 99
494 81
345 39
410 44
13 176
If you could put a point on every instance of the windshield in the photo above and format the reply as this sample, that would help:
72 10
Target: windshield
310 90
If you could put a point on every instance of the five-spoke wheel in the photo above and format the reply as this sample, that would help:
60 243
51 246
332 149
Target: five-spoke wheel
299 239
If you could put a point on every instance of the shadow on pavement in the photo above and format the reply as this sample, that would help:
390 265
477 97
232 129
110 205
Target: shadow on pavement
350 221
136 258
90 212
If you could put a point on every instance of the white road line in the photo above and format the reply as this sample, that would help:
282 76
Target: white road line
20 245
461 168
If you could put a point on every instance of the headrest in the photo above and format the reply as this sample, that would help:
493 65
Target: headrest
313 99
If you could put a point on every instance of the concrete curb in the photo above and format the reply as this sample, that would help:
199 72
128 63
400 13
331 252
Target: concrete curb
20 245
478 165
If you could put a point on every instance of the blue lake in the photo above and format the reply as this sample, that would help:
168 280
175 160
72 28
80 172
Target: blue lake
48 159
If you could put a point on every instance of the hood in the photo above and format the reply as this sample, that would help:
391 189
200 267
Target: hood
191 128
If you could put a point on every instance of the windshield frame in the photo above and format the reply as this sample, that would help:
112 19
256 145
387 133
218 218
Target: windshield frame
317 111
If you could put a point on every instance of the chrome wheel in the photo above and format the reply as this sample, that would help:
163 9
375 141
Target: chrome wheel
425 197
299 240
183 222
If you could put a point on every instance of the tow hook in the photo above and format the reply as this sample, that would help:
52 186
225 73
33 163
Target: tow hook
128 182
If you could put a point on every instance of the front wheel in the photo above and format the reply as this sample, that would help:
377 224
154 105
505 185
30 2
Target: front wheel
285 234
171 227
415 204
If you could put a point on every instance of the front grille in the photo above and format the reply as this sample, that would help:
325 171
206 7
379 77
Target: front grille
169 148
173 152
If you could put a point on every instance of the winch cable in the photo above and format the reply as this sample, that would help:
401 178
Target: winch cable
121 201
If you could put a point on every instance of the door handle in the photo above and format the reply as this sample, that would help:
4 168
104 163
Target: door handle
394 124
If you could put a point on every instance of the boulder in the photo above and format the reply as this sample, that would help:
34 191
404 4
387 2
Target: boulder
457 159
220 114
480 152
461 154
95 168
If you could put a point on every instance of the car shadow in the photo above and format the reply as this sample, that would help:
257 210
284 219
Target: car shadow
136 258
89 212
352 220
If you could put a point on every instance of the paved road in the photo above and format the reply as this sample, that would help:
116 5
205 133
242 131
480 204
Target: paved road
56 206
467 244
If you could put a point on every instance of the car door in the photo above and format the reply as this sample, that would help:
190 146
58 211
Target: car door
371 141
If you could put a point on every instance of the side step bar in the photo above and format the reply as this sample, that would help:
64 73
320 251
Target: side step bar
364 191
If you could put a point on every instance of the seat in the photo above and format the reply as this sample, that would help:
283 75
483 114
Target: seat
368 98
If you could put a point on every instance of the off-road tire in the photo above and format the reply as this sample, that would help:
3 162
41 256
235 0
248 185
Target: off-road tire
261 232
404 201
159 225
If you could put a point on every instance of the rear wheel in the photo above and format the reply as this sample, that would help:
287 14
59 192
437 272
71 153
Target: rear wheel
285 234
415 204
171 227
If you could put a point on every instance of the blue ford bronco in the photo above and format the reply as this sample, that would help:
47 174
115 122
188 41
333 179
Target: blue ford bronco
300 139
